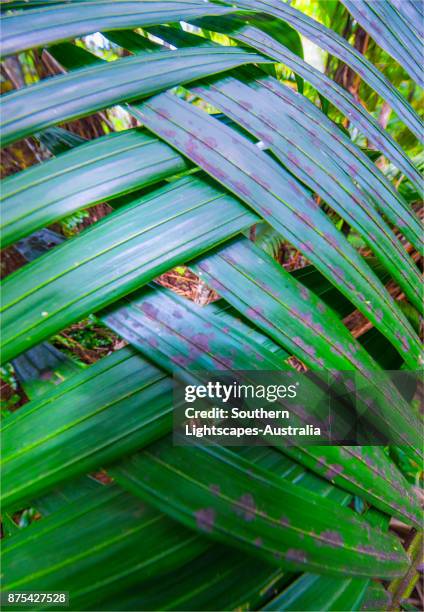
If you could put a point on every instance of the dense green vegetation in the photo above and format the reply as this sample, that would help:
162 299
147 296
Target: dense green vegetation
194 186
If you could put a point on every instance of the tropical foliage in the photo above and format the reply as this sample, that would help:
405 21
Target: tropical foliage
225 132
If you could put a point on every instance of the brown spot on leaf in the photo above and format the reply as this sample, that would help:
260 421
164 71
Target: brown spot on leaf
333 470
205 519
294 554
150 310
246 507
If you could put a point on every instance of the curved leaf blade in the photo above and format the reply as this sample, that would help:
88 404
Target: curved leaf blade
185 339
271 191
314 593
253 510
182 337
282 307
85 423
219 579
357 115
84 91
351 159
93 172
108 540
34 28
361 470
344 153
394 30
254 284
122 252
339 47
256 110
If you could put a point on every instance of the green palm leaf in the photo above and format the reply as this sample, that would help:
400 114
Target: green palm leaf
28 110
34 28
400 38
197 216
270 191
266 44
98 170
338 46
233 137
97 554
217 495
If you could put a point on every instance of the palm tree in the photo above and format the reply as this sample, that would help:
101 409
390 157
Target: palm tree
234 130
